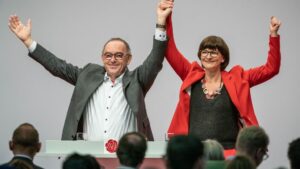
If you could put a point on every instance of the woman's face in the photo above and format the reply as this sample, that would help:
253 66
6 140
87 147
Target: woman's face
211 59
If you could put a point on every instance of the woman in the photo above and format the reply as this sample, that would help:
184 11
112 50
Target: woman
215 103
213 150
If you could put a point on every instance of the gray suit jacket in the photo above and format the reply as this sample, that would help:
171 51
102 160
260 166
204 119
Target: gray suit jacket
86 80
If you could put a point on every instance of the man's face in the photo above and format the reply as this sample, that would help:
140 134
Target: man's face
115 58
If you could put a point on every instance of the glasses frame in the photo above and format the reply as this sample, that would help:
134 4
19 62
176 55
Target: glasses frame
266 156
212 53
115 55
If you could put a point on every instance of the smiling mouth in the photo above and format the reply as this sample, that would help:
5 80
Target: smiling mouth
113 66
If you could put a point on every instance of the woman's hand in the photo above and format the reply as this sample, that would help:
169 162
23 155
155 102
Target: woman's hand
274 26
164 8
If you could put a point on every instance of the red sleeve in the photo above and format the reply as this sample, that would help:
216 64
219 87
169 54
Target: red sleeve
177 61
271 68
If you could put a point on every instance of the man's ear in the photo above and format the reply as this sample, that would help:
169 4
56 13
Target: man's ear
38 147
259 152
129 59
11 145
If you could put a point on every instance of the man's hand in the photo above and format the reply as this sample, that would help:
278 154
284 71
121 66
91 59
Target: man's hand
23 32
274 26
164 8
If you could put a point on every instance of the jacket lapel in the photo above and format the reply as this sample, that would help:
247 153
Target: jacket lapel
95 81
195 74
125 80
231 88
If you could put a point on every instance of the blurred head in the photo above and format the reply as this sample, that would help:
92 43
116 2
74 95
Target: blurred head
213 150
241 162
253 141
131 149
294 153
213 53
116 55
77 161
184 152
25 140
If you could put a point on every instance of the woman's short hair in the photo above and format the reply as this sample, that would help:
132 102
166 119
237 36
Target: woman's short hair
215 42
213 150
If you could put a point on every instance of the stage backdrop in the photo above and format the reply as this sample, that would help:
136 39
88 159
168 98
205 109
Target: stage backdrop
76 30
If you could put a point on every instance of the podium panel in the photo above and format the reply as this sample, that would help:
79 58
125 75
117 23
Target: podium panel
61 149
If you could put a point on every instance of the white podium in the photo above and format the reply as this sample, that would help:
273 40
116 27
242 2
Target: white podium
61 149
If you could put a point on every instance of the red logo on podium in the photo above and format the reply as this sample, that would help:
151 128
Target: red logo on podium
111 145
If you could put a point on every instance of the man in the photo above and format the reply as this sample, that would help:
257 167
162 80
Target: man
24 145
77 161
108 100
185 152
294 154
253 141
242 162
131 150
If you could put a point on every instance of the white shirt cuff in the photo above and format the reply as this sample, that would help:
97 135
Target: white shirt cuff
160 35
32 47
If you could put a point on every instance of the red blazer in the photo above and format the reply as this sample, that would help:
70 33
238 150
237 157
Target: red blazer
237 82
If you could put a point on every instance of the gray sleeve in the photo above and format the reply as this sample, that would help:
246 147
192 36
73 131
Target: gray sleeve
54 65
148 71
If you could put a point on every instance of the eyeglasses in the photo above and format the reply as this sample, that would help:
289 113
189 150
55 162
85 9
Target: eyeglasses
117 55
266 155
212 53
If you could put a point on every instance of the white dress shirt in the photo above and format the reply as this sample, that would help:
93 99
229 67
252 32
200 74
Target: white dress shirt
108 115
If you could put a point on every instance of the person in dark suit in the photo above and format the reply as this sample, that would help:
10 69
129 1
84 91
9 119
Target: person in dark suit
24 145
108 101
78 161
294 153
131 150
185 152
253 141
241 162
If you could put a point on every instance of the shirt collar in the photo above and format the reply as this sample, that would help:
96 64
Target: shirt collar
118 79
23 155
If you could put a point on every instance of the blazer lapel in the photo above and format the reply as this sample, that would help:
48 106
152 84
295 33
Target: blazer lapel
231 88
95 81
125 80
194 75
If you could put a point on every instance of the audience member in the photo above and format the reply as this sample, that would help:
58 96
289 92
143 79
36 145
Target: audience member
185 152
241 162
131 150
294 154
253 141
213 150
24 145
214 154
77 161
